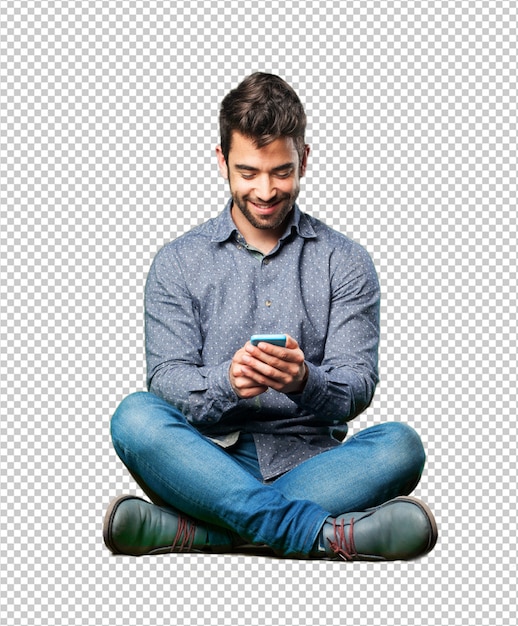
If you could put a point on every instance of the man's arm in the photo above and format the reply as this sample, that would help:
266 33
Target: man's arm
342 386
335 389
174 347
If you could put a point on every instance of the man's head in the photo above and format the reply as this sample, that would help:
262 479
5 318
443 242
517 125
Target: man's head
262 151
263 107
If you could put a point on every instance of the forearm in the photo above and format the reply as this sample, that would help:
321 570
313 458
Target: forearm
176 370
202 394
336 395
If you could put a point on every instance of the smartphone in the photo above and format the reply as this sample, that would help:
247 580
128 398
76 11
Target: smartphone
277 340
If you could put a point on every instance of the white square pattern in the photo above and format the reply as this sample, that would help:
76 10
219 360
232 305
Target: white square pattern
108 123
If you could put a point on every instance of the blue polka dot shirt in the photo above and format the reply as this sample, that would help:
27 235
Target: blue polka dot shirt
207 292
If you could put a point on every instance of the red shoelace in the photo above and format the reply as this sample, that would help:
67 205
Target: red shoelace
344 546
184 537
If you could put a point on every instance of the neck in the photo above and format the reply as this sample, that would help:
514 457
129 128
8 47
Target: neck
264 239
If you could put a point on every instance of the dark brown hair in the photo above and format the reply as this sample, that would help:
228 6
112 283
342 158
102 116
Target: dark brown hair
263 107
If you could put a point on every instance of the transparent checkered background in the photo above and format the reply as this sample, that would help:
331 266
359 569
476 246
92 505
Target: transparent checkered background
108 123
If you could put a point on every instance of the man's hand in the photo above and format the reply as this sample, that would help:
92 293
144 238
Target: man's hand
255 368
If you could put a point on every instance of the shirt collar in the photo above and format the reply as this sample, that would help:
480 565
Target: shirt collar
224 225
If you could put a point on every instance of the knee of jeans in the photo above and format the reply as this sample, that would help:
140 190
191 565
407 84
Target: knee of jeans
407 444
132 423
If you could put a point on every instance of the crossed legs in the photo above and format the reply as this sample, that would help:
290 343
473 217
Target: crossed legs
179 468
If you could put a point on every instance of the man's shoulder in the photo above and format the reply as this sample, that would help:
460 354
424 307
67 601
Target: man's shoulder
195 239
333 238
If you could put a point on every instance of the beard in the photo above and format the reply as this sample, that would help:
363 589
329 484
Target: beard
267 222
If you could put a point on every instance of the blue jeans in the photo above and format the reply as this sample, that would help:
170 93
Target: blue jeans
180 468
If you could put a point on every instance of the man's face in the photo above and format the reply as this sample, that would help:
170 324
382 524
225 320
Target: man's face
264 182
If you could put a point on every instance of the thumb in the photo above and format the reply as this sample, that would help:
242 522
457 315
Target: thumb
291 343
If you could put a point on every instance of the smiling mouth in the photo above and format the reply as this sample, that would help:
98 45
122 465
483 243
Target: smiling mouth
265 207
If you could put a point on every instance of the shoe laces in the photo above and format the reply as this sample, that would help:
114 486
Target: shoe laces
184 537
343 545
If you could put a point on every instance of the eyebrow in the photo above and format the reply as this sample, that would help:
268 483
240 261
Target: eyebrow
279 168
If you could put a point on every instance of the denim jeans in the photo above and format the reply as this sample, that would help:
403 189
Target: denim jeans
180 468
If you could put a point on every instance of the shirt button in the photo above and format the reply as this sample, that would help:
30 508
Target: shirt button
266 261
268 303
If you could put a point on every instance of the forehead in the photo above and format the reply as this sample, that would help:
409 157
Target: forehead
243 151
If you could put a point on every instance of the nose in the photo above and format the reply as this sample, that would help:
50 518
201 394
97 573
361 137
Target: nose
265 189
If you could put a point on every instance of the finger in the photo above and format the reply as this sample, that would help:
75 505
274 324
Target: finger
250 392
244 384
259 369
275 366
247 388
268 376
291 343
273 355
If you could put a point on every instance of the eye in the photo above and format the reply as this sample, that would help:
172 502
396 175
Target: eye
286 174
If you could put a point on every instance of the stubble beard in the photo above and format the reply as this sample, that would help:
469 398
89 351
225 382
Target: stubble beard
267 222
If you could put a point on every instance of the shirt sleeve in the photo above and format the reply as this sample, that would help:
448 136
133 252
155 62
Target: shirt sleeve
343 385
174 348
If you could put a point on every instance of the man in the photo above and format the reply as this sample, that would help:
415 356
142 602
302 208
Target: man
240 445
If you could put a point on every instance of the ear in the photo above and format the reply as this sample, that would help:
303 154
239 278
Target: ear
304 162
222 164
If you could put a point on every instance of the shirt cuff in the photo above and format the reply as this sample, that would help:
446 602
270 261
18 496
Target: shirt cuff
219 383
314 392
218 398
316 398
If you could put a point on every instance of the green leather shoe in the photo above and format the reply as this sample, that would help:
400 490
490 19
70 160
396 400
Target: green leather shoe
134 526
400 529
